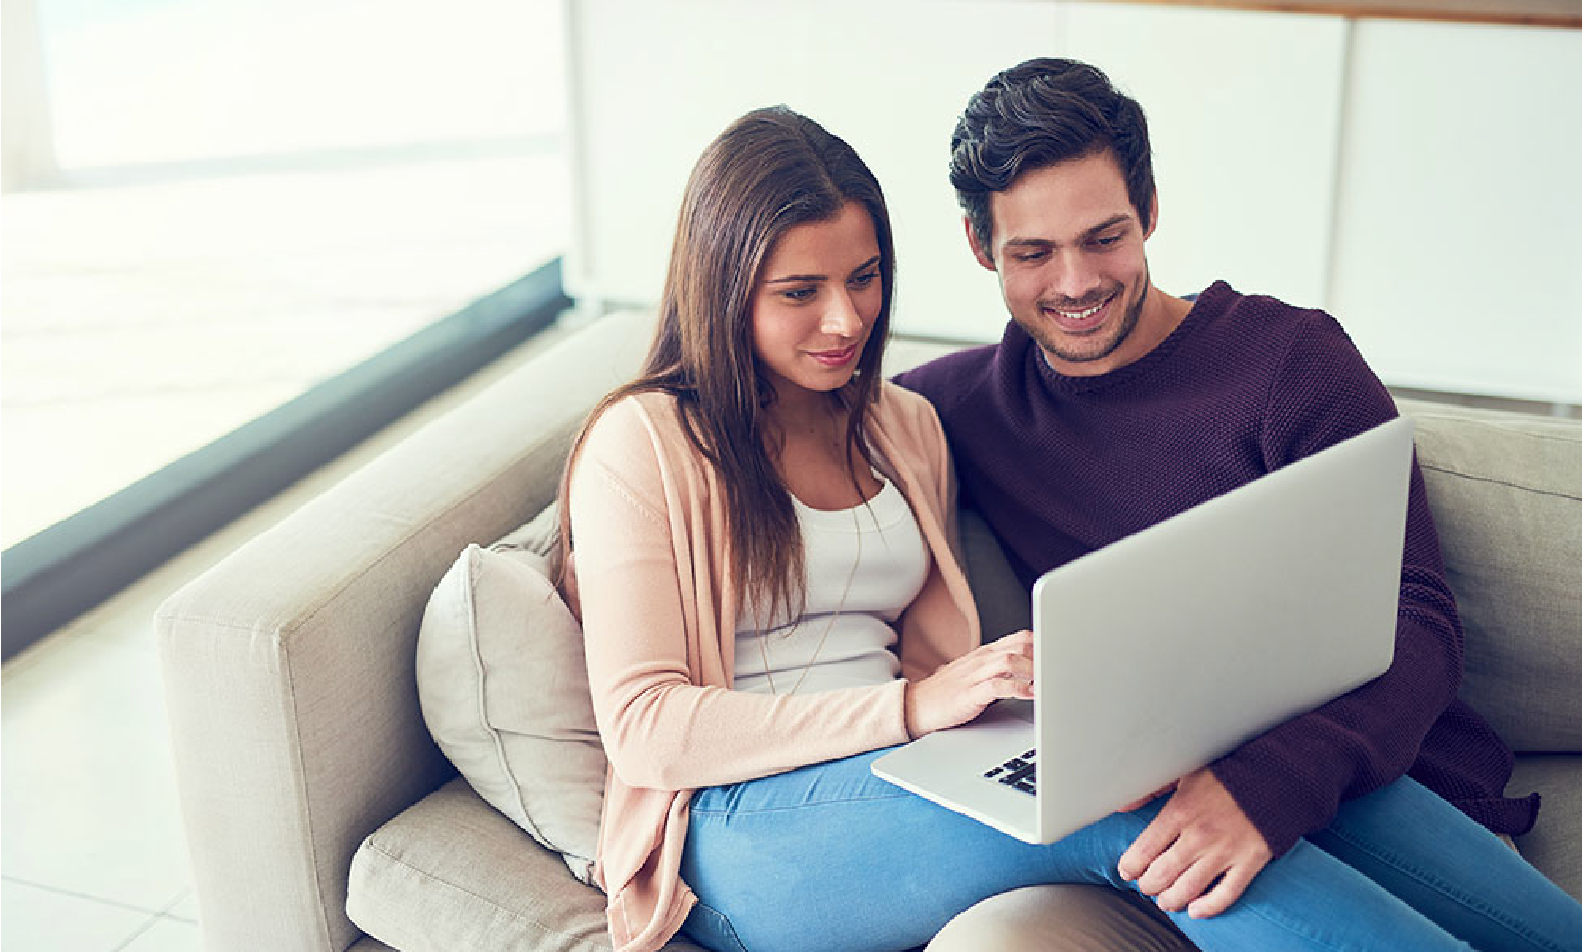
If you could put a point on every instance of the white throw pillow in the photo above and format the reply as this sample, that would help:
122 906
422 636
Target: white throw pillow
504 690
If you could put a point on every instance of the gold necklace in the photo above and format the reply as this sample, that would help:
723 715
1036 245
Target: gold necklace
763 640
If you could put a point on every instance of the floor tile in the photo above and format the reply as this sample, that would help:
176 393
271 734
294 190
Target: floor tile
184 909
43 920
89 789
165 934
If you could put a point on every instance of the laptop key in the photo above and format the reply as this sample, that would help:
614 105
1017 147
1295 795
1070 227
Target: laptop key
1018 773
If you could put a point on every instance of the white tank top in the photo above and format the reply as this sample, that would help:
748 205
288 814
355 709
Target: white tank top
865 565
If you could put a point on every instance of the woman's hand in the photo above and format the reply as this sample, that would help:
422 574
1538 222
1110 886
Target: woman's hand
960 690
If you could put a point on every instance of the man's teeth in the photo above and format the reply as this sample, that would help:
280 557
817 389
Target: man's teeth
1079 315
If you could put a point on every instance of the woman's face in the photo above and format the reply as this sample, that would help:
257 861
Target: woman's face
815 301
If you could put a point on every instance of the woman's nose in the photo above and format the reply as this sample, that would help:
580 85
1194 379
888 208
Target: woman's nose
841 319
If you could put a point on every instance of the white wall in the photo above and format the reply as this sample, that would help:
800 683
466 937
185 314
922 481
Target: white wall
1460 261
1368 168
25 133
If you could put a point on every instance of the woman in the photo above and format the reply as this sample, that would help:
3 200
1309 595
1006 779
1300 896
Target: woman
761 534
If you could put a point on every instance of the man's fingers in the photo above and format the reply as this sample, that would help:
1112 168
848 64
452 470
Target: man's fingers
1223 896
1199 853
1187 887
1165 872
1154 840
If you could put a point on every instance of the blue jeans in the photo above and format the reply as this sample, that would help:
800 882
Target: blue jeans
831 857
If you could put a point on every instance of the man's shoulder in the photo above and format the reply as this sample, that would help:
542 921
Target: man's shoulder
1266 309
951 376
1268 324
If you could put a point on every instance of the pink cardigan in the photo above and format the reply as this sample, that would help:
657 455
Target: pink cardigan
659 618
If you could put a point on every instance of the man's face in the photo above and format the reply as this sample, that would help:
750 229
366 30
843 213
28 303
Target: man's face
1068 247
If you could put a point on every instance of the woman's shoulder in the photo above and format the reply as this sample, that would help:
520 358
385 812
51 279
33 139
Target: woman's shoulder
631 433
907 412
646 414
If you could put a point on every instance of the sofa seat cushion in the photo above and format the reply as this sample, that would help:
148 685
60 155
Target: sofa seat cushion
452 873
1506 493
1555 843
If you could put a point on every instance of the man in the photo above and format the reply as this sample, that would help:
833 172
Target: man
1109 405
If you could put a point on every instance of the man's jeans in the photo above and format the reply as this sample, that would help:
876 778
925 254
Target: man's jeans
830 857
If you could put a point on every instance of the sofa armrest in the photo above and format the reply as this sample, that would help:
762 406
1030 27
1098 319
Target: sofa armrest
289 665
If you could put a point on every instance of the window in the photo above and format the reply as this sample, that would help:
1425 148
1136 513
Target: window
215 206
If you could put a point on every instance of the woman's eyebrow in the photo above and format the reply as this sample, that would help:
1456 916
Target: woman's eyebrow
866 264
793 278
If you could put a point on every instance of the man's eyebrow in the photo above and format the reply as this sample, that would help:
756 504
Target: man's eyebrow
1108 223
1105 225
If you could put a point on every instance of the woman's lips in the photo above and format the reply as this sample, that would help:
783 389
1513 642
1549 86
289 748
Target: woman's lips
835 358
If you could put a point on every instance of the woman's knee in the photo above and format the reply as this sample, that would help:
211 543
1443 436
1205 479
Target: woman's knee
1060 917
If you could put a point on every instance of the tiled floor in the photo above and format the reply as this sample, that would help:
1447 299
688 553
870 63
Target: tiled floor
94 856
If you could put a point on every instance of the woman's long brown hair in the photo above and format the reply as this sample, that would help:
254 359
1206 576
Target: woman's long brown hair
771 170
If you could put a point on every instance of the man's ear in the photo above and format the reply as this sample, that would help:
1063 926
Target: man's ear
978 251
1153 215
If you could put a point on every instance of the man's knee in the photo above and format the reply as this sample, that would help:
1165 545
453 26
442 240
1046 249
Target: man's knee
1064 918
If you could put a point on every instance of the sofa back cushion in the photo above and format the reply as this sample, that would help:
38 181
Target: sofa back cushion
1506 493
504 691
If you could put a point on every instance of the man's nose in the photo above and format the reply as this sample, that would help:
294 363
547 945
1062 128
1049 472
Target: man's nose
1077 277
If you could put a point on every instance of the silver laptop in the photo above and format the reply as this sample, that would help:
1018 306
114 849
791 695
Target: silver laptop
1157 654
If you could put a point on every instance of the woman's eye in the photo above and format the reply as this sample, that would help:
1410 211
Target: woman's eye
799 294
863 280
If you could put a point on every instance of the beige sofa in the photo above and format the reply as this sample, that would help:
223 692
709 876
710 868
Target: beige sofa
295 720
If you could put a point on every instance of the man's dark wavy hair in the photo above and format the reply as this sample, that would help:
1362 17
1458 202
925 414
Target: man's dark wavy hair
1040 113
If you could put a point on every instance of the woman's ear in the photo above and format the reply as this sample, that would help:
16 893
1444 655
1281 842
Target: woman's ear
978 251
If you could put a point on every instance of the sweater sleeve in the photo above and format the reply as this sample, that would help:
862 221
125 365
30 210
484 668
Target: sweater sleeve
647 548
1291 780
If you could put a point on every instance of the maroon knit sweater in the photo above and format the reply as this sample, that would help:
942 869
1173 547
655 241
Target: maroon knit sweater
1059 466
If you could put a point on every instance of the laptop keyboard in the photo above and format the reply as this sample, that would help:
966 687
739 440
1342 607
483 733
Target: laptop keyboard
1017 773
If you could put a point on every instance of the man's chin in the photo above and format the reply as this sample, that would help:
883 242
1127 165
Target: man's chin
1075 352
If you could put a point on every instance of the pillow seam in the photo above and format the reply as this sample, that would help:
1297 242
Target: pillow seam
474 552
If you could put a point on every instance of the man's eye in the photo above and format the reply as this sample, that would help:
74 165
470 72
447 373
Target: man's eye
1030 255
1107 240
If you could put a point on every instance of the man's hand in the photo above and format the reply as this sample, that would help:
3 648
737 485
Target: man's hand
1200 853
